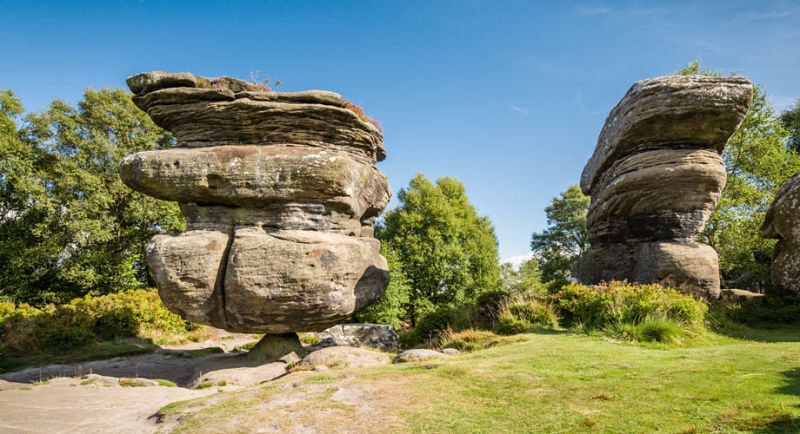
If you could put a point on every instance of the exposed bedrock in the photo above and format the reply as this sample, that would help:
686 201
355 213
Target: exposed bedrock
280 194
656 176
783 223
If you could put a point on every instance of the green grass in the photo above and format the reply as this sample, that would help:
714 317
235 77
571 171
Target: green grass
552 383
95 351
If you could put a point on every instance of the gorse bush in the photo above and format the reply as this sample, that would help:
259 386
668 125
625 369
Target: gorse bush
54 328
619 302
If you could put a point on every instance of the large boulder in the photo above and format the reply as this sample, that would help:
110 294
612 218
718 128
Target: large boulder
378 336
782 222
655 177
280 194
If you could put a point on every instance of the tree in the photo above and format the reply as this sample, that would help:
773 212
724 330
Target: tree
526 279
759 160
565 239
391 307
791 121
447 251
69 226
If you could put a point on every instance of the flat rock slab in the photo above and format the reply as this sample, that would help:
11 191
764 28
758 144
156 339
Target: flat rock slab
242 376
72 408
345 357
419 355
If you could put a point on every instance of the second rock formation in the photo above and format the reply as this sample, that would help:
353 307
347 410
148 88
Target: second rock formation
656 176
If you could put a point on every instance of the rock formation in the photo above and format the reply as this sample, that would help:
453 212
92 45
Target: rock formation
656 176
280 193
783 223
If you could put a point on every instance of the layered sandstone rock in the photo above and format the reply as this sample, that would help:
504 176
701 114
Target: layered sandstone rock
280 193
656 176
783 223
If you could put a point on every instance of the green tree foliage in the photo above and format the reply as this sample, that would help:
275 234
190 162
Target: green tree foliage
527 279
791 121
391 307
565 238
447 251
68 225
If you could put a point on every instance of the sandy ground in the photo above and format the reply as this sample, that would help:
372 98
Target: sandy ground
65 406
89 398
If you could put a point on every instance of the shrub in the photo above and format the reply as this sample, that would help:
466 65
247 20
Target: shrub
473 340
522 315
620 302
508 324
433 323
58 328
534 312
651 329
763 311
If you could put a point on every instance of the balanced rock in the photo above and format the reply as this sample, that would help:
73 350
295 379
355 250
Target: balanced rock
656 176
280 194
782 222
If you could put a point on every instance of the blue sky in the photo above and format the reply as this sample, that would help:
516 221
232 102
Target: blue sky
508 96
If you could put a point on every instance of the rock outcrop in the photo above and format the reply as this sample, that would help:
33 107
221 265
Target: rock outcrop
783 223
280 194
656 176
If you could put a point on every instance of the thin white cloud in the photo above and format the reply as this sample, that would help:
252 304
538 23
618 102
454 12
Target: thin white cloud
521 110
592 10
517 260
764 15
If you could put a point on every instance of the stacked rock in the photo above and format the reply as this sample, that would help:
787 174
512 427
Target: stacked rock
655 177
280 195
782 222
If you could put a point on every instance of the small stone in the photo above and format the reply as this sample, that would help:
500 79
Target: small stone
345 357
451 351
418 355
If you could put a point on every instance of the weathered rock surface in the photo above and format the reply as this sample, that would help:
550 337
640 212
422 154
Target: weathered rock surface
419 355
280 194
223 111
655 178
345 357
299 280
259 176
378 336
782 222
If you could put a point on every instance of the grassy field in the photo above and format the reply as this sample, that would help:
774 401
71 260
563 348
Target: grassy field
557 382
